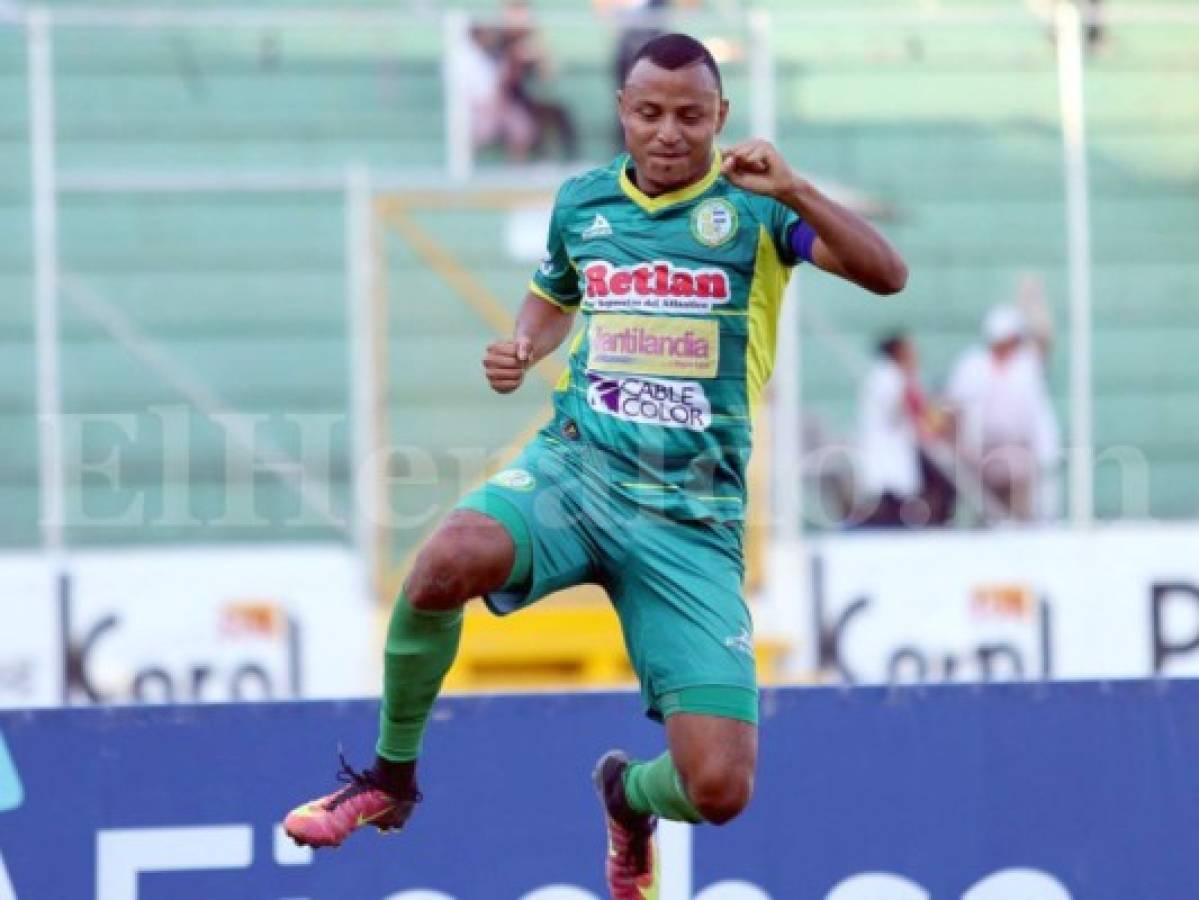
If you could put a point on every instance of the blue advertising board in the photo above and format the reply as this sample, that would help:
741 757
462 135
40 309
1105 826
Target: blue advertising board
1084 791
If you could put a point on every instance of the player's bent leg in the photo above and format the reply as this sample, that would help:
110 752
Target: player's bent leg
707 775
712 782
690 638
468 555
716 757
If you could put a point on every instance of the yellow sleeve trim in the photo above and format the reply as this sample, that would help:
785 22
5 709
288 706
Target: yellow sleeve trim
765 301
535 288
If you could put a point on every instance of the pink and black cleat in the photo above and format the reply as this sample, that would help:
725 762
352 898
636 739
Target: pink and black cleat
632 868
329 820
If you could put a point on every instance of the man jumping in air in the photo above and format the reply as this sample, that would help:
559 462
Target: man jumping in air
677 258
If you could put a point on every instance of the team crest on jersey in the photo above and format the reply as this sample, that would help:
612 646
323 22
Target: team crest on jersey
514 480
714 222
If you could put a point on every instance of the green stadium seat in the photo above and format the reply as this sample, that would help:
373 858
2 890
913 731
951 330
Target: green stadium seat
955 130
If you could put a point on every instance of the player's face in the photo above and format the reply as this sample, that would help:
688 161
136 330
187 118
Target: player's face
670 120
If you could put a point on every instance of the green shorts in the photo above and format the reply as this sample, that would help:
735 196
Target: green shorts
676 585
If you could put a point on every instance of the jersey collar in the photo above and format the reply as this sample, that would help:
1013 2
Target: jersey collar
682 195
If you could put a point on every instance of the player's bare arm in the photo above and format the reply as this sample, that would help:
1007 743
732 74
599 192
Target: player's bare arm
846 244
540 328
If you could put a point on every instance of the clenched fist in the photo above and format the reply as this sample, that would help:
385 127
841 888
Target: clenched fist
755 165
506 362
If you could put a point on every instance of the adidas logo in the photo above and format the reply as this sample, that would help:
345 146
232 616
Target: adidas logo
598 228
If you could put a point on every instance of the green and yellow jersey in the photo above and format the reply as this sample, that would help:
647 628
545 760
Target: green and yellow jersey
680 297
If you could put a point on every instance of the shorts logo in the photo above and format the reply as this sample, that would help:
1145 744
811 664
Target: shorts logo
514 480
654 345
714 222
741 643
656 286
650 401
547 266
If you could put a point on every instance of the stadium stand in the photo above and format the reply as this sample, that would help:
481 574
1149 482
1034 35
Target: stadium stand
937 123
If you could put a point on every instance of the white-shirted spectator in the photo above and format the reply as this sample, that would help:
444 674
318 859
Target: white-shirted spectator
494 116
899 485
890 455
1007 430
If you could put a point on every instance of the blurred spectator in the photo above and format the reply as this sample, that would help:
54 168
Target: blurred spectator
1092 10
525 78
496 118
1006 428
640 22
1093 17
900 483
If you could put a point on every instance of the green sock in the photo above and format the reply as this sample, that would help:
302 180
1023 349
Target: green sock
654 787
420 649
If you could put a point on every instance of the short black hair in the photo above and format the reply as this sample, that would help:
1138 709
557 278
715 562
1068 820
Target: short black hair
889 345
675 51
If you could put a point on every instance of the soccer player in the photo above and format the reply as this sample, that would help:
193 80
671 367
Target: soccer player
677 257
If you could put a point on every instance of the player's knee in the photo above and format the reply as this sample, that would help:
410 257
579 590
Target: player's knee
437 579
720 794
463 559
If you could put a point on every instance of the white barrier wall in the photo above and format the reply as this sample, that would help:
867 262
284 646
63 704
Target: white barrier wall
207 624
1121 601
199 624
31 666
